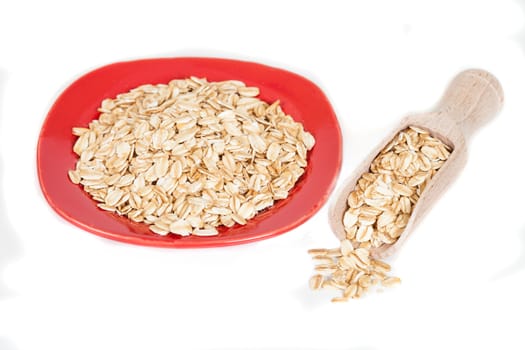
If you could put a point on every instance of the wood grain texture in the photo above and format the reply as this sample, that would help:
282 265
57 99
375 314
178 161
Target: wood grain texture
472 99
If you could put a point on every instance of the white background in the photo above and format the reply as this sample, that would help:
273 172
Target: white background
463 270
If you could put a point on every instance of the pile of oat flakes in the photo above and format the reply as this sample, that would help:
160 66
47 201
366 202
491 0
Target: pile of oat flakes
191 155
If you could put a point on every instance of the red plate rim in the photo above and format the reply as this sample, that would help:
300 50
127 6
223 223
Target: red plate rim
78 104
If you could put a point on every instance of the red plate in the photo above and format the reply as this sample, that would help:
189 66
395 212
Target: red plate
78 104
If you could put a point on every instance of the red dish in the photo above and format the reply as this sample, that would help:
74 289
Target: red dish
78 104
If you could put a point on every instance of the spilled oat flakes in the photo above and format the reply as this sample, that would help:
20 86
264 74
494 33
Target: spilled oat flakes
378 210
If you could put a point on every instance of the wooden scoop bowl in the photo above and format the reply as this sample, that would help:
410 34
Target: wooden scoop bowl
471 100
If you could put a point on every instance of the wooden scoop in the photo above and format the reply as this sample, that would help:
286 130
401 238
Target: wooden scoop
471 100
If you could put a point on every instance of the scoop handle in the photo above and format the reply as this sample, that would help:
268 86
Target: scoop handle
472 99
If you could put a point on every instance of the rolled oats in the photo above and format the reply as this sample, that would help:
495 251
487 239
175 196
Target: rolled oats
189 156
378 210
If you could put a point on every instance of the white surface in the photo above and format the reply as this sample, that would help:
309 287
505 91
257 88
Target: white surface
463 270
